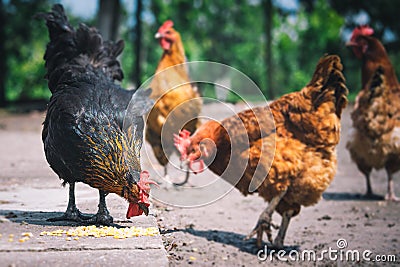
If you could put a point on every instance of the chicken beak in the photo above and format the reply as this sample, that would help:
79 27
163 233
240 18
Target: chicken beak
158 35
143 207
351 43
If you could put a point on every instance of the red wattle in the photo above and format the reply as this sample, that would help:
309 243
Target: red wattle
133 210
165 45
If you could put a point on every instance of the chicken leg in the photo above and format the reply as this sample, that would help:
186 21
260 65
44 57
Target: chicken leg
102 217
264 221
367 171
166 170
72 213
369 188
286 216
185 181
390 190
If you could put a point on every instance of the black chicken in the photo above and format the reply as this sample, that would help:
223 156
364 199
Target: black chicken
83 134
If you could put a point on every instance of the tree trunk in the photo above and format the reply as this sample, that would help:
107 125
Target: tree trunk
268 13
3 66
108 19
138 43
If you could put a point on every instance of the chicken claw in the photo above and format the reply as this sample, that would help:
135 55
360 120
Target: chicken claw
72 213
264 224
264 221
392 197
102 217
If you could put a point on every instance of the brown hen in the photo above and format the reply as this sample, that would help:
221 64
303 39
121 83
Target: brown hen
177 102
289 159
374 141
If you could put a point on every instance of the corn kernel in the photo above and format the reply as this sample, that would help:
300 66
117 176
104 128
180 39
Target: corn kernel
27 234
105 231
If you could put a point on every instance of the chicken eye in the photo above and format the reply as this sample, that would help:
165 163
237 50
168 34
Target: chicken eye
168 32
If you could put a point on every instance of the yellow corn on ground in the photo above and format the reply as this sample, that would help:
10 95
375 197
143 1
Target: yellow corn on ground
26 237
22 240
27 234
97 232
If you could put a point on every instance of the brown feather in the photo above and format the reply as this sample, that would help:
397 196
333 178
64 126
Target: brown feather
294 150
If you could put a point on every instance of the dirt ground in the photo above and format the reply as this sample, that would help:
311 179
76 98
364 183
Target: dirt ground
206 227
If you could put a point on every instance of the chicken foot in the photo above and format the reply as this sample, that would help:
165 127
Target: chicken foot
390 190
102 217
286 216
264 223
166 170
185 181
369 188
168 179
72 213
370 194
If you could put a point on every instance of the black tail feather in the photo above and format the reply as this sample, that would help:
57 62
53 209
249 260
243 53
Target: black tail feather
81 48
56 21
329 78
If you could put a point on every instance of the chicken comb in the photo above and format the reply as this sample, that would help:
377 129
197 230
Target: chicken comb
167 24
144 182
181 142
364 30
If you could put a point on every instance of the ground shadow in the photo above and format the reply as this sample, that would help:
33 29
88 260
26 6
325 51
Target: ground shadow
40 218
350 196
234 239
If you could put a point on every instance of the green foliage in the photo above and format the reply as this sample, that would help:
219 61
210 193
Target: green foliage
233 34
26 76
227 31
315 34
25 44
383 18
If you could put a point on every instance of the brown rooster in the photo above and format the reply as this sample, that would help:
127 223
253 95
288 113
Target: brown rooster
306 131
177 102
83 134
375 138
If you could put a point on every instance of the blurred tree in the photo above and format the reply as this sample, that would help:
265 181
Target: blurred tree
225 31
108 18
3 55
279 54
136 74
276 48
268 13
24 44
383 17
322 35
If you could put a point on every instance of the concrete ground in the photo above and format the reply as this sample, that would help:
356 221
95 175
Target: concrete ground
30 193
207 225
201 224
